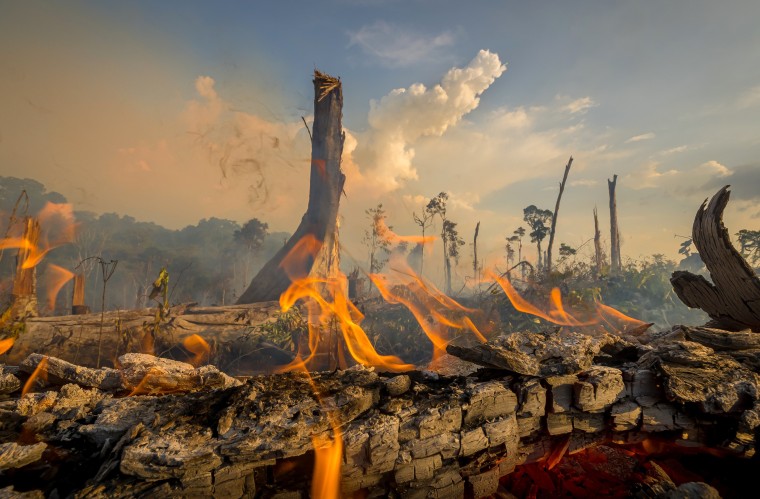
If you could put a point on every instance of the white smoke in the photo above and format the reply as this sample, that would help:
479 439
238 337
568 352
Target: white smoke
386 151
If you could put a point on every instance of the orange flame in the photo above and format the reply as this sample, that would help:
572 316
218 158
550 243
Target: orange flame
198 347
427 304
328 454
619 320
5 345
39 372
57 278
58 228
396 239
556 314
327 303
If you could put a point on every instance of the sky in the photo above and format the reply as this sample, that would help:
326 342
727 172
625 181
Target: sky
175 111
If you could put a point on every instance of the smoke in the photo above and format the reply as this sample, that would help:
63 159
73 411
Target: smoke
386 151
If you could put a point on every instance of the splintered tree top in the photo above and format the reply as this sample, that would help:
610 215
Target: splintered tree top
326 83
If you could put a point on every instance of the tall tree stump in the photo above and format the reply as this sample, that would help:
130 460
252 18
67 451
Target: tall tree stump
319 224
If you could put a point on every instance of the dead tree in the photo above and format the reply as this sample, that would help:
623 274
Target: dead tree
24 294
598 259
320 222
475 254
78 306
554 218
614 229
732 300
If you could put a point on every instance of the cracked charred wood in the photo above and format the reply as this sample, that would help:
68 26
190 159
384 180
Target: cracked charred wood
732 300
413 434
319 225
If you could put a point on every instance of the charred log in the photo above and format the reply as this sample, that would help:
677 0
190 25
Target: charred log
414 434
732 299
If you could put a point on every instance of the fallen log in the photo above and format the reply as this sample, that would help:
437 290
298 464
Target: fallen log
732 299
418 434
231 332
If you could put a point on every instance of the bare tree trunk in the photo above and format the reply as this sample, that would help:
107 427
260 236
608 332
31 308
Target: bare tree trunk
554 217
597 246
24 294
614 229
475 254
320 221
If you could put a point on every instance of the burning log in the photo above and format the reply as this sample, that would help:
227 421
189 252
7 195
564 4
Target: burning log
414 434
319 225
732 300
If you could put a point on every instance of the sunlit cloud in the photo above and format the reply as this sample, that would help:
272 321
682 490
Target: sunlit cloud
639 138
716 168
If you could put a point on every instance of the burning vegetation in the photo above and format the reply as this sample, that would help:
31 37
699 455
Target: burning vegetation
380 384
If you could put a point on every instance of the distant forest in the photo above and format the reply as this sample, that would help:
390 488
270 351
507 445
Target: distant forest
210 263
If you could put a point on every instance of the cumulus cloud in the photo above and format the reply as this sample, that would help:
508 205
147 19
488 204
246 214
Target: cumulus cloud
394 46
639 138
717 168
401 118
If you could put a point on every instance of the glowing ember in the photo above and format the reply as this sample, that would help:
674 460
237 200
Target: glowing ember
39 372
57 278
198 347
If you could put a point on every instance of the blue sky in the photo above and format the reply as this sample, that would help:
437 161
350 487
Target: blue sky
115 103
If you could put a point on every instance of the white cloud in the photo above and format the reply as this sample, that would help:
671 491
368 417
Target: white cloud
639 138
580 105
717 168
404 116
395 47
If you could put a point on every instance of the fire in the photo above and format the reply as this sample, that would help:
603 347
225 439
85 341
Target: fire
328 307
5 345
395 239
619 320
556 314
39 372
325 482
57 278
198 347
57 228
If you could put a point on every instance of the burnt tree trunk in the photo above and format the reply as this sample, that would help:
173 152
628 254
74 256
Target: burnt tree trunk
24 294
598 263
732 300
614 229
475 254
554 217
320 222
78 306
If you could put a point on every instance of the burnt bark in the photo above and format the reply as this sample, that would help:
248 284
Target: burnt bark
320 222
24 293
614 228
554 217
732 299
